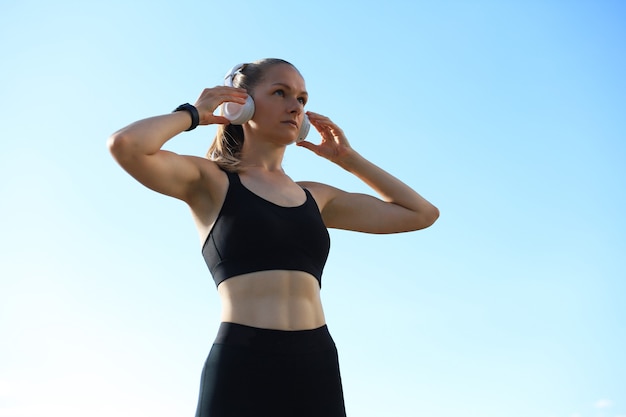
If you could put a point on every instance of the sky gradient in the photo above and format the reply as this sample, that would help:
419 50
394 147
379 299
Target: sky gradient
508 116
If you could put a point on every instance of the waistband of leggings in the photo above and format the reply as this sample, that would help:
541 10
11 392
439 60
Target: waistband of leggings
271 340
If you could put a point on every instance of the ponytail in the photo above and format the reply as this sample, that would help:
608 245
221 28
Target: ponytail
226 147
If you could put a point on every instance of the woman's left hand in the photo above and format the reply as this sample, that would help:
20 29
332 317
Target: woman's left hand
334 145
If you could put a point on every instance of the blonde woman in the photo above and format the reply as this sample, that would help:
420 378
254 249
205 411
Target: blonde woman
264 236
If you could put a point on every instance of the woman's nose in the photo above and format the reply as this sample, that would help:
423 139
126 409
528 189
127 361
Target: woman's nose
295 106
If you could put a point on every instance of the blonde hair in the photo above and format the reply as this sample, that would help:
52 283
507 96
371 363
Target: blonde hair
228 142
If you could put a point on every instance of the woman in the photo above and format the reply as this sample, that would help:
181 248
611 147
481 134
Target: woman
264 236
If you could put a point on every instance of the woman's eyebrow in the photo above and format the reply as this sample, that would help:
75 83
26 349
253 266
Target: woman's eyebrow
289 88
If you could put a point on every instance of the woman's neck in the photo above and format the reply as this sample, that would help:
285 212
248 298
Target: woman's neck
268 157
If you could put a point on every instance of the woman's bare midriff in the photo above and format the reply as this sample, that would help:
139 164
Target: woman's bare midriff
282 300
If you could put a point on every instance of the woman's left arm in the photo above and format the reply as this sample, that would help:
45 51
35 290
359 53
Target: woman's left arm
400 208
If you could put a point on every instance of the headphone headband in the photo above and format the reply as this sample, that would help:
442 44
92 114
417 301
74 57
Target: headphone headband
229 78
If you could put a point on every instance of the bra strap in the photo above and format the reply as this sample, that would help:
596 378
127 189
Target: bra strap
233 177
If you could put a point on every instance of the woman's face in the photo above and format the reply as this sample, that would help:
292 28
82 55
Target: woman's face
279 100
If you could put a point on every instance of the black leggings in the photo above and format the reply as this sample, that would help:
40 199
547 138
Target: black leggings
254 372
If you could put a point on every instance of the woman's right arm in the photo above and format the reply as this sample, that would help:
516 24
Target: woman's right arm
137 147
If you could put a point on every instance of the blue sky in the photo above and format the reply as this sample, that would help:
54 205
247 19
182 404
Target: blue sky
509 116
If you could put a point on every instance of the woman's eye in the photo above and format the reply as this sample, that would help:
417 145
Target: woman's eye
280 93
302 100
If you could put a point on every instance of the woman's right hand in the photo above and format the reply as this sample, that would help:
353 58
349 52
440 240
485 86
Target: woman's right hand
211 98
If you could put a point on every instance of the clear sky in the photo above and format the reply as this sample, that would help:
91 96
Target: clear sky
510 116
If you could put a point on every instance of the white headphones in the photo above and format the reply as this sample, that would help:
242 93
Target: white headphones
239 114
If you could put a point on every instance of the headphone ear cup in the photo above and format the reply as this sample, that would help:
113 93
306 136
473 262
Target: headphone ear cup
304 129
238 114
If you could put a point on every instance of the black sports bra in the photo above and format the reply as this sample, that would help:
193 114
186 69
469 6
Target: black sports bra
253 234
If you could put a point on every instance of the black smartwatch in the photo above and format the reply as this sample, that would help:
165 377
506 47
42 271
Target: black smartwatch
195 117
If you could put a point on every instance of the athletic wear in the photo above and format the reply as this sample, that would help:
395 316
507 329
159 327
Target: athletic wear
253 234
254 372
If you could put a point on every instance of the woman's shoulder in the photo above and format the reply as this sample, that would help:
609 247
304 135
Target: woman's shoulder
207 167
318 187
213 181
323 193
